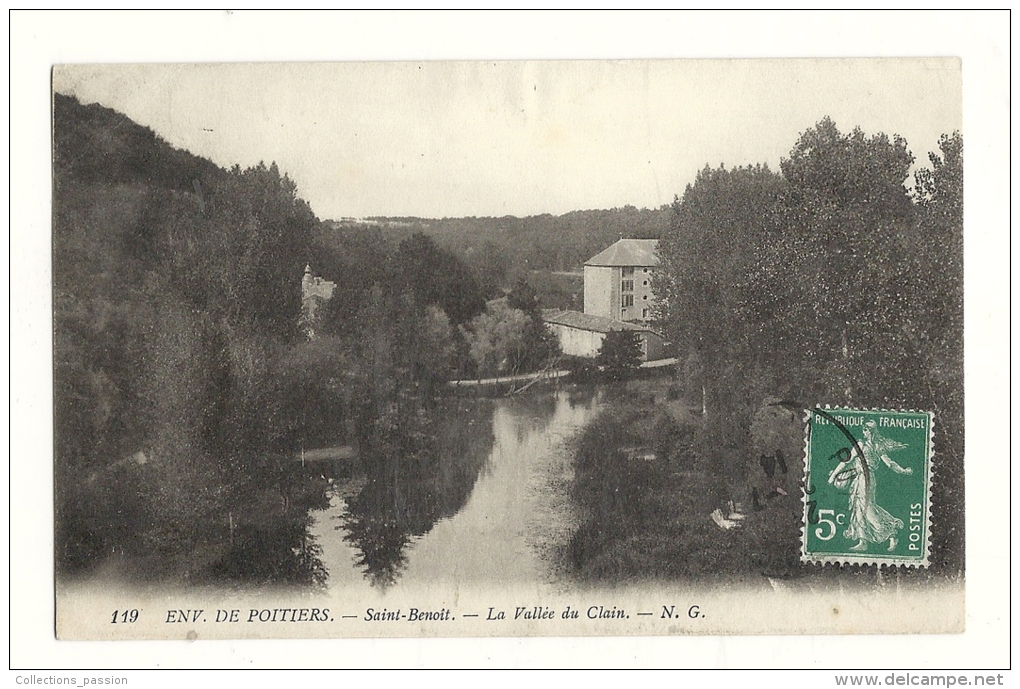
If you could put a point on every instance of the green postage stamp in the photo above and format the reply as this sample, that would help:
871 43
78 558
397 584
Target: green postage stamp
867 487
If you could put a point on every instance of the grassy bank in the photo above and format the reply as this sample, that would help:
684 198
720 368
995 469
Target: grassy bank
647 489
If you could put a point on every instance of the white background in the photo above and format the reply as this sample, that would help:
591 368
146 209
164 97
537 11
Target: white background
39 40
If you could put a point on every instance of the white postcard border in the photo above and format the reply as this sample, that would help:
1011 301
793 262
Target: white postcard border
38 40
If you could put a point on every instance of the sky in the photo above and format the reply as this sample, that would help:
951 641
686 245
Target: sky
462 138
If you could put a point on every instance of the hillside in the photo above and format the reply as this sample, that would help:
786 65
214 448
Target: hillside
185 378
174 285
502 249
94 144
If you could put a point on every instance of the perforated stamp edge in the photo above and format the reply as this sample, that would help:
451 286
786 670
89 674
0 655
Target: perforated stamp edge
890 562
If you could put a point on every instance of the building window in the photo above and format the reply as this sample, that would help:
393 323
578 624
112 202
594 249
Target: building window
645 283
627 286
644 270
628 300
627 272
645 297
644 313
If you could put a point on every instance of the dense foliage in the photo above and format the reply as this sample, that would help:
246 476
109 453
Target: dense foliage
185 385
620 354
829 282
502 250
174 296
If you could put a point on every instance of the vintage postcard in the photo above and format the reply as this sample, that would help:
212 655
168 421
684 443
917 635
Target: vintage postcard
526 348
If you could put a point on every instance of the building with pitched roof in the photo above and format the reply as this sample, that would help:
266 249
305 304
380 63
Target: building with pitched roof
617 296
618 281
581 334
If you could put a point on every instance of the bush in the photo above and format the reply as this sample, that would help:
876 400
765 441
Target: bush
582 370
620 354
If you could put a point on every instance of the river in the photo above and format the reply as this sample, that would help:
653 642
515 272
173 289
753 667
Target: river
495 509
474 490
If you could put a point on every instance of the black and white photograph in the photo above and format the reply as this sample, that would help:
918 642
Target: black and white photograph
390 330
509 348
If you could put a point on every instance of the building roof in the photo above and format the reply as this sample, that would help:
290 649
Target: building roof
627 252
586 321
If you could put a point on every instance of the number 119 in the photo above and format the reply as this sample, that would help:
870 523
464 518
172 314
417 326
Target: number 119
123 616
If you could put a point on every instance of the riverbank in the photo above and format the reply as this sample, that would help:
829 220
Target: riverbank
648 494
509 380
546 375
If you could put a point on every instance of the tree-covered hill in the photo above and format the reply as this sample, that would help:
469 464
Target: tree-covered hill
184 380
500 250
94 144
175 290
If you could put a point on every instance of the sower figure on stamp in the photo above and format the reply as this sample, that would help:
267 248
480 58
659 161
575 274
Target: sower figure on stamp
868 522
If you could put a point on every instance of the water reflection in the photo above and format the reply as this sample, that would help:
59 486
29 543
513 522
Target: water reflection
267 540
418 470
280 552
465 490
472 490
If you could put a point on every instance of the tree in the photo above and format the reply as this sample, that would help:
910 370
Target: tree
523 297
265 234
840 260
620 354
797 285
495 339
540 345
938 192
830 283
708 261
492 265
175 291
436 276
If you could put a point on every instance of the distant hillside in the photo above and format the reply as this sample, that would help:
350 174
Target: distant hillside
502 249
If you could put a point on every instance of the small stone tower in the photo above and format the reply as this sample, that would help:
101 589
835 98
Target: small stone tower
314 291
